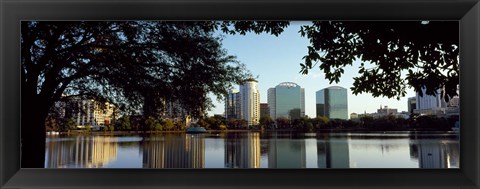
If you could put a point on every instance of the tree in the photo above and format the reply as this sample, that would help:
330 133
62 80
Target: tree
88 128
179 126
232 123
123 123
294 113
53 122
152 124
282 122
216 121
212 122
69 124
401 122
242 123
158 127
266 121
169 125
320 121
429 58
133 64
309 127
203 123
366 120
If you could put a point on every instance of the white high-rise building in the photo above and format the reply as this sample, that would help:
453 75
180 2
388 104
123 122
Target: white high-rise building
430 102
250 101
85 111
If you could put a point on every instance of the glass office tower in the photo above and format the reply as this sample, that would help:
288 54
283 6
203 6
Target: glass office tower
332 103
286 100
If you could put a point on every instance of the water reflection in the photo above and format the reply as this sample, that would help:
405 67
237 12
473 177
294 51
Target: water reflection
80 152
333 153
255 150
286 153
174 151
242 150
434 154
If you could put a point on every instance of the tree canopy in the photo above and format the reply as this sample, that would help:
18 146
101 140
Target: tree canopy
137 65
419 54
147 63
139 62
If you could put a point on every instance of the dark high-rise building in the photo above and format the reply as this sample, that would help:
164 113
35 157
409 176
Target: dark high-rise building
264 110
412 104
232 105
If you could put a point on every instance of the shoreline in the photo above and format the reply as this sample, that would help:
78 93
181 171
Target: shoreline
82 132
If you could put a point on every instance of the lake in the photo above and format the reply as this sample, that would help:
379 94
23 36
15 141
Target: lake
255 150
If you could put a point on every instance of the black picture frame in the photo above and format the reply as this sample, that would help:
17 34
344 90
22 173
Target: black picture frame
13 11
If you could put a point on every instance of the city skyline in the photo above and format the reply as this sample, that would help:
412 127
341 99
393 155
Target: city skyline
276 59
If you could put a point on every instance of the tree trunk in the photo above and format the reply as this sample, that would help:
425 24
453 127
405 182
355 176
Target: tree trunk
33 132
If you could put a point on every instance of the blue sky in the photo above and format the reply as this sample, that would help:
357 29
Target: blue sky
277 59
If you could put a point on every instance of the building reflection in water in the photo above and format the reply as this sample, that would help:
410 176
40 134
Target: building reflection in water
174 151
80 152
286 153
242 150
333 153
434 154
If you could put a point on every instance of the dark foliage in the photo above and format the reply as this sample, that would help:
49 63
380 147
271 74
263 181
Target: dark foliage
426 52
136 65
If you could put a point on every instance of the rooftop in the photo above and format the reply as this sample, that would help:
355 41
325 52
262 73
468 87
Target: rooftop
335 87
288 84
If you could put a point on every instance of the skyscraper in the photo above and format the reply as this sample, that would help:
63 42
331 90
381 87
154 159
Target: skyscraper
426 102
250 101
271 102
244 104
264 110
286 100
412 104
232 105
332 102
